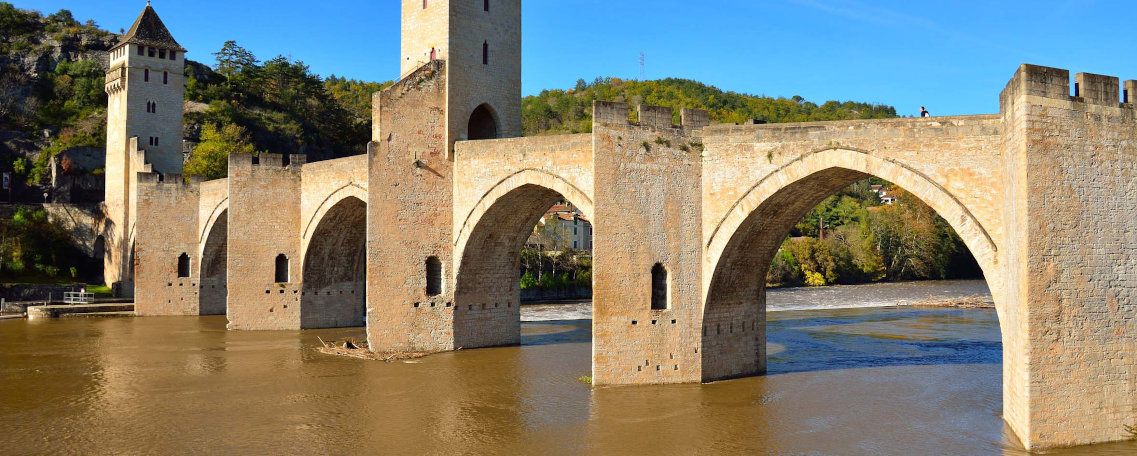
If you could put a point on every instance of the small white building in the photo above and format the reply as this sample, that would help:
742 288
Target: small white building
562 227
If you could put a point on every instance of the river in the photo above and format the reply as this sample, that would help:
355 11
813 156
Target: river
863 380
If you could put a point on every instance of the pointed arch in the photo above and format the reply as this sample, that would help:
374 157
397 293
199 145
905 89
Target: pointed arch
483 123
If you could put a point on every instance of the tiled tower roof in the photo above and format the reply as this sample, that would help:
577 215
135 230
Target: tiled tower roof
148 30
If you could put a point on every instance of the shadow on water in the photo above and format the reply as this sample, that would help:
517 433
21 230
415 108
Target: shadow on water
860 338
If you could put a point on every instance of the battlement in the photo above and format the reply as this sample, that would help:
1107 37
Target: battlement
241 160
1047 82
607 112
179 180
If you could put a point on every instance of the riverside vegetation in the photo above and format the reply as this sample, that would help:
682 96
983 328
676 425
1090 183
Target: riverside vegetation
51 80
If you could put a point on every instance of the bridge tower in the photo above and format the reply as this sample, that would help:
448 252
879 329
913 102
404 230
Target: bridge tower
480 41
146 88
460 80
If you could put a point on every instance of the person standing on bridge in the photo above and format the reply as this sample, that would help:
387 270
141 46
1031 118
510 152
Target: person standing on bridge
924 112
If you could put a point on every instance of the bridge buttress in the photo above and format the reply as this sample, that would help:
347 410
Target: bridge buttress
647 203
264 222
165 281
409 216
1069 257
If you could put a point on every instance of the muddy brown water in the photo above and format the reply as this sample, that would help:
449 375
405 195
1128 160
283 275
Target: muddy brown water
885 380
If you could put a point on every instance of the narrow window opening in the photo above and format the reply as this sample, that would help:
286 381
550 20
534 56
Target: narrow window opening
146 75
183 266
1077 89
155 141
165 77
151 52
151 140
281 268
486 53
1125 96
141 50
658 287
161 53
173 55
433 276
486 5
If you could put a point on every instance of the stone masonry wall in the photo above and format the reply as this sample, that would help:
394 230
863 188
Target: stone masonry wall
168 211
1080 166
496 82
264 219
410 215
648 203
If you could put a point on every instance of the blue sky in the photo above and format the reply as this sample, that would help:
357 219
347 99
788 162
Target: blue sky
953 57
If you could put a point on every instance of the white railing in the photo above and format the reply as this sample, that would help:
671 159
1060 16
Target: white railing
77 297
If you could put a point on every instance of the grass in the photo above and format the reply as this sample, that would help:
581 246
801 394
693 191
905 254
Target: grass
100 291
585 379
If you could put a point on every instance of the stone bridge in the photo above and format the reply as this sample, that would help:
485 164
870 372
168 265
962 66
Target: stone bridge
420 237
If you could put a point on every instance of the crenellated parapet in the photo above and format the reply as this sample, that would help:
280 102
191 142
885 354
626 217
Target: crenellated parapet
248 161
1054 83
616 113
169 181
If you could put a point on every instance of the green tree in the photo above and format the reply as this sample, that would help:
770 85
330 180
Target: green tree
210 159
234 60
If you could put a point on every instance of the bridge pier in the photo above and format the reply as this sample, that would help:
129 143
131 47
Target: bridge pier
647 309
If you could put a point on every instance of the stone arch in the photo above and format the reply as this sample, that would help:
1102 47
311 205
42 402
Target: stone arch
487 293
349 190
525 177
743 243
335 267
213 291
483 123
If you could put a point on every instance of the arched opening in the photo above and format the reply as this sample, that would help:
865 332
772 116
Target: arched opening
482 124
335 268
183 266
734 316
213 289
519 248
98 260
659 292
281 270
433 276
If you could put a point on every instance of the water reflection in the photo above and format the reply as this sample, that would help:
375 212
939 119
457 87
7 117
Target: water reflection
880 381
